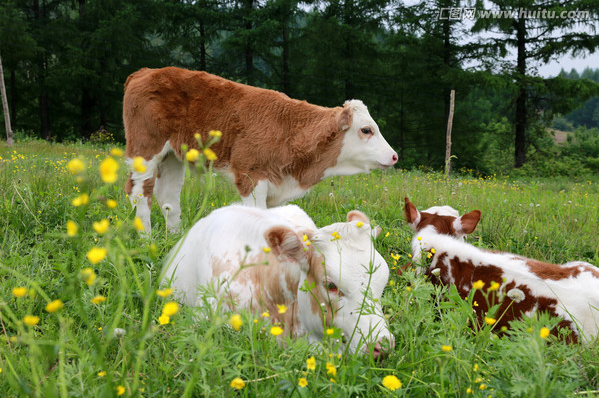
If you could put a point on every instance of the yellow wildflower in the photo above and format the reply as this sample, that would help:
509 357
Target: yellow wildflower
266 249
76 166
265 314
494 286
215 133
236 322
282 308
419 237
72 228
108 170
110 203
88 275
490 321
19 291
164 319
302 382
116 152
98 300
478 284
276 330
120 390
31 320
359 224
237 383
391 382
165 292
192 155
138 224
54 306
139 164
81 200
311 363
331 369
170 308
210 155
304 238
544 332
446 348
330 331
96 254
101 373
101 226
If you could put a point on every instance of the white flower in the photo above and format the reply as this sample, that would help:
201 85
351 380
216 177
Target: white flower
118 333
516 295
436 271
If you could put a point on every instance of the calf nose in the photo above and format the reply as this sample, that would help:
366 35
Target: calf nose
379 351
394 158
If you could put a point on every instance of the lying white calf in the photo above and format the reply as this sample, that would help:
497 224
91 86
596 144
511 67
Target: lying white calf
347 274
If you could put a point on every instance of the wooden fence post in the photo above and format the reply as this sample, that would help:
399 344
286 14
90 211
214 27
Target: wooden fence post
448 135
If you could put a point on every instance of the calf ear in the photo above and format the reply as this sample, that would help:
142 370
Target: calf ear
410 211
357 215
345 118
285 244
469 221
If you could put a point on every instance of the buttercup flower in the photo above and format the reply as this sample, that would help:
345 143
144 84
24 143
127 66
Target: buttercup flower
237 383
311 363
210 155
88 275
120 390
96 254
215 133
110 203
101 226
265 314
544 333
266 249
446 348
478 285
101 373
54 306
164 319
116 152
80 200
330 331
302 382
192 155
236 322
359 224
19 291
490 321
108 170
139 164
165 292
31 320
276 330
76 166
98 300
138 224
391 382
494 286
72 228
331 369
170 308
282 308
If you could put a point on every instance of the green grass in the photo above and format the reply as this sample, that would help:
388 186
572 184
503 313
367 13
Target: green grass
73 352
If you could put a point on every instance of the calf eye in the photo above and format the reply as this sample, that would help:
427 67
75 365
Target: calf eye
331 287
367 131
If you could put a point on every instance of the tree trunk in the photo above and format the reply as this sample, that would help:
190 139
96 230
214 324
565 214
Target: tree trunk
521 111
9 134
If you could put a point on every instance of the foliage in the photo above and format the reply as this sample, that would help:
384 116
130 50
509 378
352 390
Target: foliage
105 348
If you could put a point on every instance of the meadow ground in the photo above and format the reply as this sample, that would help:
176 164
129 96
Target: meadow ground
82 313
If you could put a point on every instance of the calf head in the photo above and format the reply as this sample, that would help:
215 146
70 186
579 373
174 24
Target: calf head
364 148
341 282
443 220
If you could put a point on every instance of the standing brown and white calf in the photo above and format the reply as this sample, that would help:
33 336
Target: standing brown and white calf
273 148
570 291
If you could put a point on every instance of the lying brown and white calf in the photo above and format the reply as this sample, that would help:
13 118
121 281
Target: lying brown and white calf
347 275
570 291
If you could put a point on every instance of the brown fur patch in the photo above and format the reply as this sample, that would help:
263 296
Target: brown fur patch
442 224
550 271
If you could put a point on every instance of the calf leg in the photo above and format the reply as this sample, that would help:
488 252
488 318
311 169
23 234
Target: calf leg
140 188
169 182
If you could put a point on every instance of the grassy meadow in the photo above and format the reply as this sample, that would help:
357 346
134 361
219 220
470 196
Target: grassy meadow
107 336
